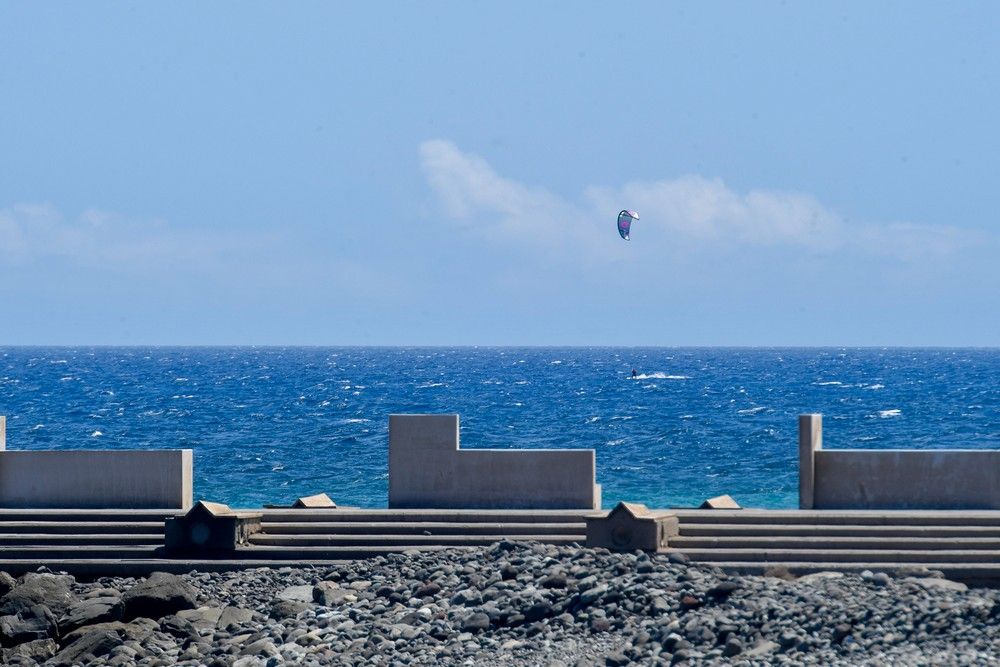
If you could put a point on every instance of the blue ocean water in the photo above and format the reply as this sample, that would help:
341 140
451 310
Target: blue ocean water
270 424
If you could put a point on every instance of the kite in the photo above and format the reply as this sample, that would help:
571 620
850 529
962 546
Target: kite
625 219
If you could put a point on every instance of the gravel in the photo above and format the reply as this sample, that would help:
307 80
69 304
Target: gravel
510 604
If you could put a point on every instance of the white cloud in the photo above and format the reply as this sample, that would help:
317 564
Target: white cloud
30 232
702 211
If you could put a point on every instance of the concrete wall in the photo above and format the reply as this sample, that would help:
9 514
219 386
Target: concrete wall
428 470
91 479
893 478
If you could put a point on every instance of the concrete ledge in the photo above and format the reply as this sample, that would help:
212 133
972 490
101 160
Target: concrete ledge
428 470
96 479
894 479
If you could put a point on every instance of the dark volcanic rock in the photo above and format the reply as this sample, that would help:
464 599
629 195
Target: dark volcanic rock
161 594
88 612
39 650
51 590
37 622
476 622
86 648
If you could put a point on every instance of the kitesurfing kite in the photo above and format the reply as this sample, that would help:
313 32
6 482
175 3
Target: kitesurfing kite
625 219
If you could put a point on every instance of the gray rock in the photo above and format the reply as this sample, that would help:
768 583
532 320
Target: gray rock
7 583
234 616
933 584
138 630
202 618
179 627
32 624
476 622
328 594
38 650
160 595
51 590
262 648
86 648
296 594
90 611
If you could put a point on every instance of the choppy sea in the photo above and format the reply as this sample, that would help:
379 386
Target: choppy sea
270 424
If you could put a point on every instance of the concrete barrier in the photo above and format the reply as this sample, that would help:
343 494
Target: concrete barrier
95 479
428 470
893 479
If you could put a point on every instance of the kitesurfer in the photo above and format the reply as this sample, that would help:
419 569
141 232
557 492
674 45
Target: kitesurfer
634 374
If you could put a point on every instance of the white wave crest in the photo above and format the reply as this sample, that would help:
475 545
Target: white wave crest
885 414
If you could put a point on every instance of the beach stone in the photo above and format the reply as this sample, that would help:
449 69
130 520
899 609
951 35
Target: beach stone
38 651
7 583
476 622
159 595
137 630
202 618
90 611
262 648
234 616
329 594
51 590
733 647
282 609
296 594
429 589
179 627
37 622
934 584
85 649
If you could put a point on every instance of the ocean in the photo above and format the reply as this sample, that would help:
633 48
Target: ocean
270 424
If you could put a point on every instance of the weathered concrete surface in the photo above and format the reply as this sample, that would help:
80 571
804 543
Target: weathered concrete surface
631 526
893 479
907 479
3 432
86 479
428 470
210 527
810 440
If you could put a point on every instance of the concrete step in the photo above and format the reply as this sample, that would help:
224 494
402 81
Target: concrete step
46 539
309 554
401 541
93 568
837 542
102 515
921 556
81 527
843 517
422 515
419 528
76 551
804 530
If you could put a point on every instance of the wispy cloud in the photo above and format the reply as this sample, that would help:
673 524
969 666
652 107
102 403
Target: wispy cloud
30 232
701 211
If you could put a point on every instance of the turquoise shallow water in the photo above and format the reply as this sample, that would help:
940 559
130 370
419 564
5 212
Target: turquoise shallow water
270 424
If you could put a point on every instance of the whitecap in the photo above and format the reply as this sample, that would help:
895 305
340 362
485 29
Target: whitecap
686 417
660 375
354 420
555 363
96 434
615 443
885 414
37 426
591 420
831 383
521 382
429 385
751 411
875 386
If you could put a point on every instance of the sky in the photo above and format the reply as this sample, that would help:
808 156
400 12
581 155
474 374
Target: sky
449 173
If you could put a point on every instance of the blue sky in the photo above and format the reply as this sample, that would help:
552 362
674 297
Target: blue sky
449 173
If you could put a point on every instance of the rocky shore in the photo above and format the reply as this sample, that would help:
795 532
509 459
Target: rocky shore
508 604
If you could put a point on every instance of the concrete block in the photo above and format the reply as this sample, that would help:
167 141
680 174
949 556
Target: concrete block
3 433
427 469
210 527
720 503
96 479
318 501
810 440
631 526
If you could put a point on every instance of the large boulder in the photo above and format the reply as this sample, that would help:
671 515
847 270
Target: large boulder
52 590
86 649
160 595
138 630
37 622
88 612
37 651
